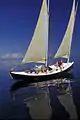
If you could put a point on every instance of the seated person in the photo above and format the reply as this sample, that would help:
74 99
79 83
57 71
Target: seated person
44 69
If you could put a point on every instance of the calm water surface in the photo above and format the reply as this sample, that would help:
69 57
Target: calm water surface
43 100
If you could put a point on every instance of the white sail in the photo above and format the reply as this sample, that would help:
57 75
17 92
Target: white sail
65 47
37 50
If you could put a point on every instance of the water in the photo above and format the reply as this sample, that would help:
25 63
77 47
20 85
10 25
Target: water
43 100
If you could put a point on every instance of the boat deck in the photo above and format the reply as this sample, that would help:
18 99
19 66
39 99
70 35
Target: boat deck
55 69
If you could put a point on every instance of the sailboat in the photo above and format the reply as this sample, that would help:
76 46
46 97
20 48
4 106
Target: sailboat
38 49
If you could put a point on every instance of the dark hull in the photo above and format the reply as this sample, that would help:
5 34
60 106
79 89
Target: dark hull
30 79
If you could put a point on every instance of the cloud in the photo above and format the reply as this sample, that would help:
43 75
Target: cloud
11 56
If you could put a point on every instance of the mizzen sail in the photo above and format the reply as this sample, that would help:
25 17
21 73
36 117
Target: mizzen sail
37 50
65 47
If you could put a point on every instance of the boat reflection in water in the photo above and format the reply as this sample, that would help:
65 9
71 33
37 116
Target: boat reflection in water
39 101
51 99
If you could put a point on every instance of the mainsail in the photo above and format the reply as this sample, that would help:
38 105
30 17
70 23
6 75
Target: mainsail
38 48
65 47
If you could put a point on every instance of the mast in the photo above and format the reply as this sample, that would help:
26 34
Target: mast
46 59
48 6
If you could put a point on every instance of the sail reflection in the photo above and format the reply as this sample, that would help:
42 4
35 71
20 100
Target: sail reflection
52 99
39 103
39 106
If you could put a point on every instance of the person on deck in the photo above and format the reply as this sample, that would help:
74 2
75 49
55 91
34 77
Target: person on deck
60 64
12 69
44 69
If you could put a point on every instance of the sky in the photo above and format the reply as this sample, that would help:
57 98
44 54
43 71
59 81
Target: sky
18 19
